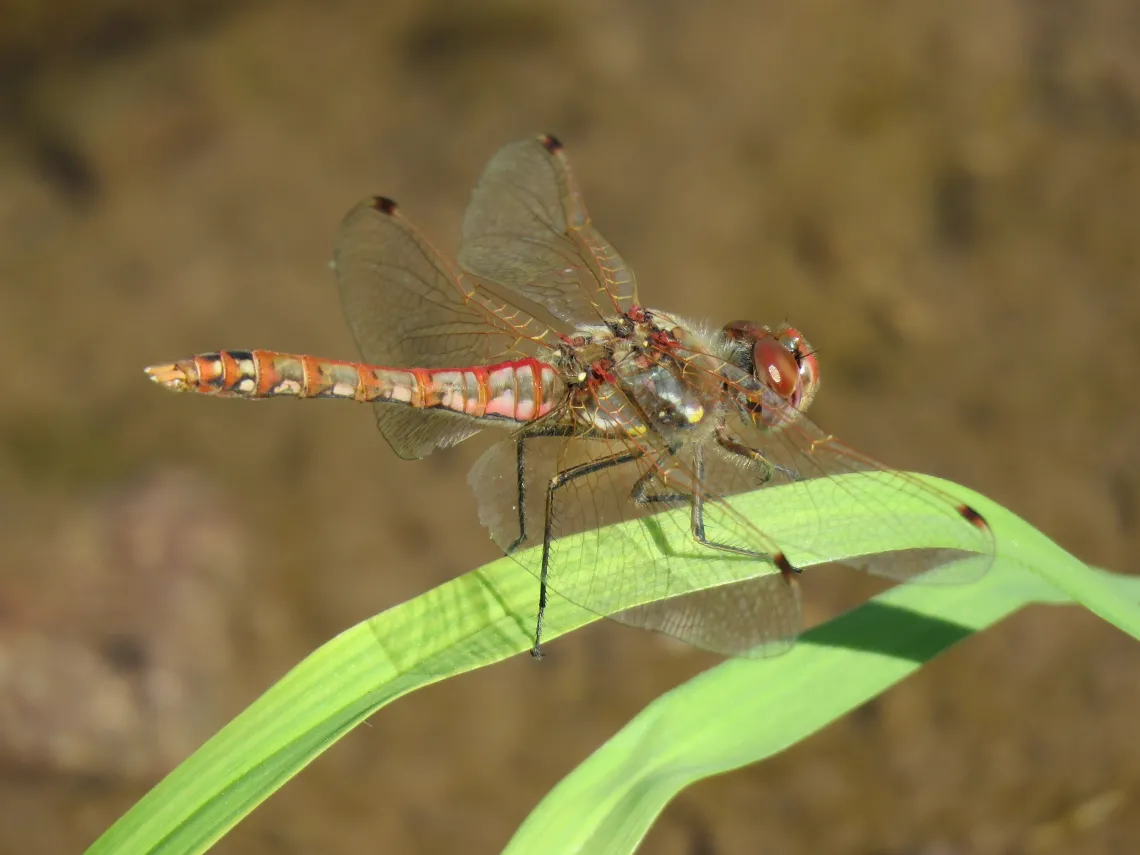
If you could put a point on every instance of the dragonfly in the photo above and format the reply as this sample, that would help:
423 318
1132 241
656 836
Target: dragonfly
632 433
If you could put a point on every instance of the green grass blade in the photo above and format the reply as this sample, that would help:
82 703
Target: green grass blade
477 619
487 615
744 711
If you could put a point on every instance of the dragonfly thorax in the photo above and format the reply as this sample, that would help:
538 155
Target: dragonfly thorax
668 402
640 372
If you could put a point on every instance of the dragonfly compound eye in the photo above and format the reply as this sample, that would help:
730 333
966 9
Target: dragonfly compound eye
807 363
776 367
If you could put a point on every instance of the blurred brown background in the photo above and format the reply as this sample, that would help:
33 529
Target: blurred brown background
943 196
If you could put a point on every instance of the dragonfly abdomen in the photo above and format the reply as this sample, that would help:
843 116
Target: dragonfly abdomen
520 390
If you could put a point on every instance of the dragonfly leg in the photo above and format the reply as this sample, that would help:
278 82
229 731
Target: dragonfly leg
520 475
566 476
753 454
641 496
697 522
697 519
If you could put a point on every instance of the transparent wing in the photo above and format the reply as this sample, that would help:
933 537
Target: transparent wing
732 604
407 307
711 597
936 532
755 617
527 230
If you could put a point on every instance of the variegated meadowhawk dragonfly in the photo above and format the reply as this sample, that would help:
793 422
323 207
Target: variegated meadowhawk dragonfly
617 414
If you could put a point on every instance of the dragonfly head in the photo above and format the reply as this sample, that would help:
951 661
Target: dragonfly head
780 359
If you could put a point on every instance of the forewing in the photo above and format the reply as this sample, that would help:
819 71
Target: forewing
753 618
934 530
407 307
737 605
648 572
527 230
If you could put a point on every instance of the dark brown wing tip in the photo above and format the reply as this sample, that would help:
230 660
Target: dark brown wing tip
786 568
384 205
973 517
550 143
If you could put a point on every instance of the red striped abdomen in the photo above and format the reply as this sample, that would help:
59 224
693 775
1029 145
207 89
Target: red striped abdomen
520 390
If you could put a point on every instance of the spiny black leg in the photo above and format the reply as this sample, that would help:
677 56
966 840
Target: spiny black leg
786 568
561 479
698 528
754 454
520 476
640 493
697 519
641 496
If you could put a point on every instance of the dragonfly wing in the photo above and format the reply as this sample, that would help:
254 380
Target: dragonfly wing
649 572
527 230
652 572
753 618
407 307
934 531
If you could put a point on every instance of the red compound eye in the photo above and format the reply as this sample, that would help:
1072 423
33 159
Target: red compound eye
807 361
776 366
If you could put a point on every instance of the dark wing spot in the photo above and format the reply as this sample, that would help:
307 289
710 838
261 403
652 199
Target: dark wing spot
550 143
973 517
384 205
785 566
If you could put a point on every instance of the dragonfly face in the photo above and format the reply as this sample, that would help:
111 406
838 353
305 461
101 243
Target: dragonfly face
783 363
